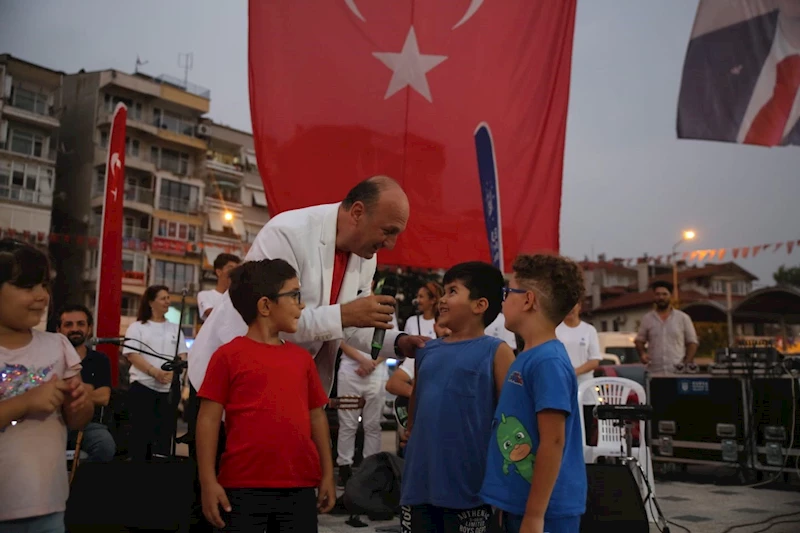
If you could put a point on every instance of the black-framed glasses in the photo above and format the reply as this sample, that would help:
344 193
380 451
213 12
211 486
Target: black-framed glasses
296 294
509 290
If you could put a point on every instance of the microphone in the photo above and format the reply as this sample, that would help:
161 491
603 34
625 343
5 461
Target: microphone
387 286
94 341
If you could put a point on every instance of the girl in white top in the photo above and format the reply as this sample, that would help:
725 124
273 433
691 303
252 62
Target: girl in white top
41 396
152 418
427 299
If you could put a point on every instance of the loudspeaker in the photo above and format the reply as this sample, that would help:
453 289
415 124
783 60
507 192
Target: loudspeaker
120 497
613 501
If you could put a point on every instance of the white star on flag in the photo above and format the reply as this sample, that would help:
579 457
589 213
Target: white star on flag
409 67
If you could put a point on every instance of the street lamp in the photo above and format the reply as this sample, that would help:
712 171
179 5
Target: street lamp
228 216
687 235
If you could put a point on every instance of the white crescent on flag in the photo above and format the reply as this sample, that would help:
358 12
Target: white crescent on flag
474 6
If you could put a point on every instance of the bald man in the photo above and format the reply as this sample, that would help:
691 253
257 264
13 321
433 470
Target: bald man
332 247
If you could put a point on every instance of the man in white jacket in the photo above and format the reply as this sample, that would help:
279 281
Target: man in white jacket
333 249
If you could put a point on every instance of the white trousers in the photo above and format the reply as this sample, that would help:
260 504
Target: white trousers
371 389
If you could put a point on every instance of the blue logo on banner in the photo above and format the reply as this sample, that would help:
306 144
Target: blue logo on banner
693 386
490 191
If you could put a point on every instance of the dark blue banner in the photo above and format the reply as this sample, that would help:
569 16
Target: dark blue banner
490 192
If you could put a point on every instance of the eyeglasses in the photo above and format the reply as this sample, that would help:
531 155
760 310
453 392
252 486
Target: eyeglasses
296 294
509 290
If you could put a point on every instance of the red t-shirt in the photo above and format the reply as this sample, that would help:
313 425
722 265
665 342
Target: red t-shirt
268 392
339 268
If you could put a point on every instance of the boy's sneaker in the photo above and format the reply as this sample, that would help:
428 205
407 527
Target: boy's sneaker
345 471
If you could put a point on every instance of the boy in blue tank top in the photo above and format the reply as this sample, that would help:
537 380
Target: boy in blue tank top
535 473
457 383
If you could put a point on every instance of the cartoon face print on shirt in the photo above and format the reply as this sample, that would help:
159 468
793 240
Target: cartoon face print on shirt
516 446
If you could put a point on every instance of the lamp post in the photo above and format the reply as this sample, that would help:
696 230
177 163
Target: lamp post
687 235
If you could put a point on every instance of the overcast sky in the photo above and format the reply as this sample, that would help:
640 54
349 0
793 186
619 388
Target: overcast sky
630 186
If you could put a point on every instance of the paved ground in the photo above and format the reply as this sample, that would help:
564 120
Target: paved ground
701 500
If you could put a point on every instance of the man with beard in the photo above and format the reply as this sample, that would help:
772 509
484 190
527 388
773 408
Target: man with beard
75 322
668 333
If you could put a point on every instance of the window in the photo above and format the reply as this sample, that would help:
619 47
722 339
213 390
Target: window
133 262
31 184
178 197
131 145
104 139
134 108
172 122
26 142
29 100
226 191
176 276
130 305
177 230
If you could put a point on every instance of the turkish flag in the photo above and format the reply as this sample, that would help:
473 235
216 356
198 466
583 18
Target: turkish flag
343 90
108 297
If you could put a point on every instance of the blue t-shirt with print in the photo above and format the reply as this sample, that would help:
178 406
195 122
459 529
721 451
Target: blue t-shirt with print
540 378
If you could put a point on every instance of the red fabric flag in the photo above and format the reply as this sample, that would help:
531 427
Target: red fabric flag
108 302
346 89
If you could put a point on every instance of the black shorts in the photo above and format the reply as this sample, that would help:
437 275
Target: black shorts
271 510
432 519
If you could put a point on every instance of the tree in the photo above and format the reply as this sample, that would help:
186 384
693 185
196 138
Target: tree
787 276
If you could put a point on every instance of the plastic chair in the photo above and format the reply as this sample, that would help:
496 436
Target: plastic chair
610 442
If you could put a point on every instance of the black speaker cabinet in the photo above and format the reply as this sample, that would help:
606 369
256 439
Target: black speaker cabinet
698 419
124 496
776 408
613 501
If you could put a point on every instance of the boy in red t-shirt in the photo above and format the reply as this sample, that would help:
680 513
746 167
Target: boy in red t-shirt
278 442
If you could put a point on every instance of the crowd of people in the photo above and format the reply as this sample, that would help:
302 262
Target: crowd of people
493 436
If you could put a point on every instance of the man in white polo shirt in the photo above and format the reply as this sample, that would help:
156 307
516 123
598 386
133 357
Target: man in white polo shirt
582 344
208 300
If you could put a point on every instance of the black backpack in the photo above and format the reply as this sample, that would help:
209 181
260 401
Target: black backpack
374 489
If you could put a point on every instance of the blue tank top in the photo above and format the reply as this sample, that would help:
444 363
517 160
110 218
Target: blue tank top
455 402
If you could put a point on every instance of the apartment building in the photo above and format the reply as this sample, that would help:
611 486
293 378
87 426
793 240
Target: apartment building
236 205
164 186
30 103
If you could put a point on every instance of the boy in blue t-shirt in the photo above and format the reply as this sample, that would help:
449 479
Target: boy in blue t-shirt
535 473
457 382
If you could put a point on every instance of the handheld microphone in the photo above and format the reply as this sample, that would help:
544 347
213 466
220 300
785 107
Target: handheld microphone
386 286
94 341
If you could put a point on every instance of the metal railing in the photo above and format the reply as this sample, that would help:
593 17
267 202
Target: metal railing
134 193
178 205
132 232
20 194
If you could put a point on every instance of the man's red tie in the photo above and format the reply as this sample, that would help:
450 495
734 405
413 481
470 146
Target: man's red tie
767 128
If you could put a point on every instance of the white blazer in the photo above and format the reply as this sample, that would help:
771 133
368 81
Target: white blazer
306 239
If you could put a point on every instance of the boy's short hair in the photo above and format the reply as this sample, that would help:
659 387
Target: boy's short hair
662 284
557 280
483 281
254 280
224 259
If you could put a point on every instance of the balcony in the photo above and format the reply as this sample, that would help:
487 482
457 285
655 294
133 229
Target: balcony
178 205
30 113
137 198
141 123
175 286
132 232
216 165
27 196
137 162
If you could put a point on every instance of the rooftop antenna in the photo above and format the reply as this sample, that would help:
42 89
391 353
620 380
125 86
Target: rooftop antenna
186 61
139 63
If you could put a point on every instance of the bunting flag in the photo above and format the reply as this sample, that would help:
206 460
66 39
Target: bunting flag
108 299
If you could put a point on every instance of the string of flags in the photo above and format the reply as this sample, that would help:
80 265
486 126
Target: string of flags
718 254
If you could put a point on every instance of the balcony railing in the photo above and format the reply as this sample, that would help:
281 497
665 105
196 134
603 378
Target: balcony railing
134 193
178 205
132 232
20 194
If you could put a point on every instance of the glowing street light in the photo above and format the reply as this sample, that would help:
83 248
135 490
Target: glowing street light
688 235
228 216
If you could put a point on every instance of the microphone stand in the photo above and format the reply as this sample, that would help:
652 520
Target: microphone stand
176 366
